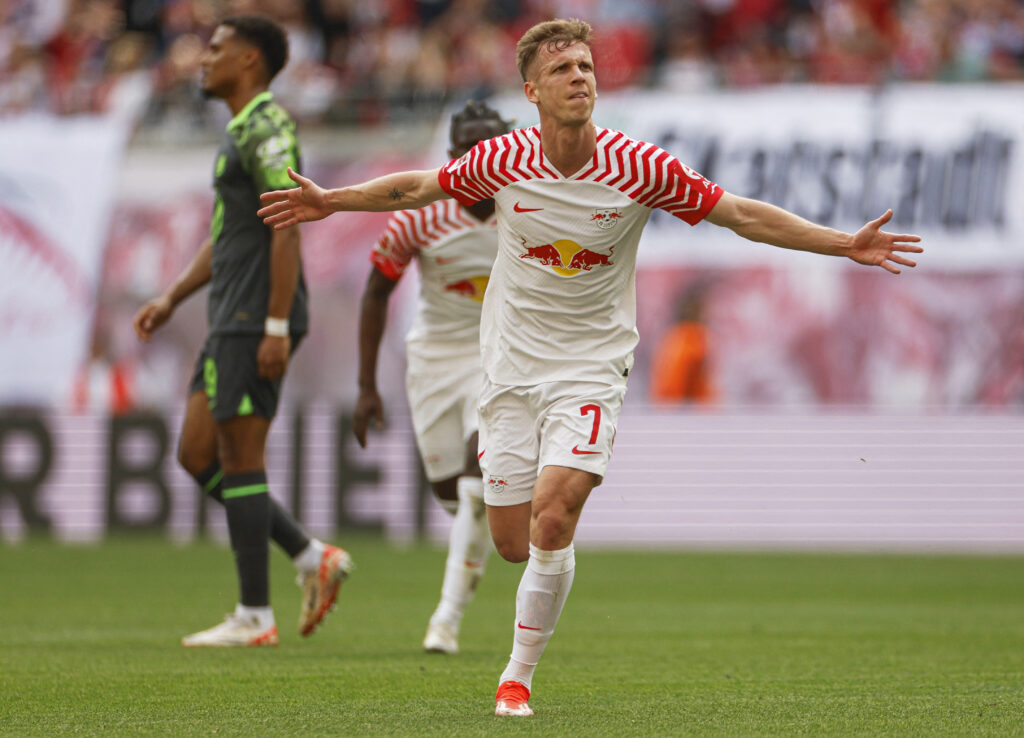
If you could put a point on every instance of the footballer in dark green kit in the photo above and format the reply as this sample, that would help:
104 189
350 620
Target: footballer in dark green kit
257 315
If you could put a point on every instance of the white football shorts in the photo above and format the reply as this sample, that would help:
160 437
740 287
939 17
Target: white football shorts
443 402
524 429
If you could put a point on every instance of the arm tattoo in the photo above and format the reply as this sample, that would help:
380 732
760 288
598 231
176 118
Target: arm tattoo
395 194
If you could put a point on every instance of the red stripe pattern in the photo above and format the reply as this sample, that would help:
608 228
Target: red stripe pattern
647 174
409 231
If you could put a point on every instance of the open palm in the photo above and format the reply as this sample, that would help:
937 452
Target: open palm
284 208
874 247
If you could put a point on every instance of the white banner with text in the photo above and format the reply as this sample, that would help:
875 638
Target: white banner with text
948 159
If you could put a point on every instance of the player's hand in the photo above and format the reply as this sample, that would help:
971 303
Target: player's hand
874 247
369 408
272 356
283 208
151 316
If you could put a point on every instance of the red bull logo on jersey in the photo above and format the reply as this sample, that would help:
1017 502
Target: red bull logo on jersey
566 258
473 288
606 218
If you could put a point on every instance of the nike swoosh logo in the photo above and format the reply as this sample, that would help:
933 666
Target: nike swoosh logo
576 450
524 210
446 259
525 627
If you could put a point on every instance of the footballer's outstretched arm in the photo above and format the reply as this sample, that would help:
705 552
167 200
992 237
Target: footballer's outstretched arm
759 221
309 201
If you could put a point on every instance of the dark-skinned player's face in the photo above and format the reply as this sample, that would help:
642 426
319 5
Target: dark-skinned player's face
221 65
469 133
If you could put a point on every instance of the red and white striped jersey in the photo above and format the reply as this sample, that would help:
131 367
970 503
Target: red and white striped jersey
561 303
454 252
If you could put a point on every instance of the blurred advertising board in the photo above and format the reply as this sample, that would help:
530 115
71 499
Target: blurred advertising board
691 478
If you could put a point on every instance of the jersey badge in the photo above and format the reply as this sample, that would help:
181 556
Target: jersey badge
606 218
497 485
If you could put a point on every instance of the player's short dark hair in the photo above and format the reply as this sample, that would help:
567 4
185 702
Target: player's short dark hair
266 36
475 110
559 33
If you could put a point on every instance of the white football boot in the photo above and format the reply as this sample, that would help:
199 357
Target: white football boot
441 638
235 631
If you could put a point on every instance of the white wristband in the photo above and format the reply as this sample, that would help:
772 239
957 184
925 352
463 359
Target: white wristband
276 327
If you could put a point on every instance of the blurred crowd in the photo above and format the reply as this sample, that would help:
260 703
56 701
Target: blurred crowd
367 61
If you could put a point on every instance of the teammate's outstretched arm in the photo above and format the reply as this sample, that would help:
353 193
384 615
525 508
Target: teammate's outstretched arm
310 201
759 221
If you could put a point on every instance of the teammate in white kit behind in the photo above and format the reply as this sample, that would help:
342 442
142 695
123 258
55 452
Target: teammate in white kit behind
454 247
558 326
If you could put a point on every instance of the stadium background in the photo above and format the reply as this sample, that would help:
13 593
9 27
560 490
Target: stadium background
850 408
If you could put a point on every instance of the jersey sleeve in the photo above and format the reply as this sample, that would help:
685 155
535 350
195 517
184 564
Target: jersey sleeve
271 147
472 177
682 192
396 247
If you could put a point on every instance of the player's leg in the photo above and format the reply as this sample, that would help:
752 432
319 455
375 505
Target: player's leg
510 530
246 499
321 567
558 499
578 430
243 491
197 455
197 445
252 622
443 398
243 404
469 545
508 453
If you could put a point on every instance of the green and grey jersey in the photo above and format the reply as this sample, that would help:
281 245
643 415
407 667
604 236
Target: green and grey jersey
259 146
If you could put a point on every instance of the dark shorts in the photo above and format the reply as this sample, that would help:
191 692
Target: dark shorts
227 372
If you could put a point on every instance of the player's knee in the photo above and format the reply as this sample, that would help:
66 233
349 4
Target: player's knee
552 528
514 551
194 460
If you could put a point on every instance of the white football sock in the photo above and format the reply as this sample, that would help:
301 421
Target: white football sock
450 506
542 592
263 617
468 548
308 559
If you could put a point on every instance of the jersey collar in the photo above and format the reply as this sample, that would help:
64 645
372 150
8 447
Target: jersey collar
244 113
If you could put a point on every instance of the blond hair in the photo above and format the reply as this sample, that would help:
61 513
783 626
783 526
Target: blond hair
560 34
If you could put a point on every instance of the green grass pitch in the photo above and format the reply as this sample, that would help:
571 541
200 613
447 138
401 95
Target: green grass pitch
649 644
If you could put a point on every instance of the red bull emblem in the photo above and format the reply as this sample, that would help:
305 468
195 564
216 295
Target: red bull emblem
566 257
606 218
497 484
473 287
